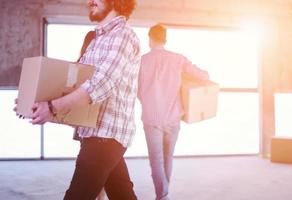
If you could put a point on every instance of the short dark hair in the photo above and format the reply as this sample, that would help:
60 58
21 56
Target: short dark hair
158 33
123 7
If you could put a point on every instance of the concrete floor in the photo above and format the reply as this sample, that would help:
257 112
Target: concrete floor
199 178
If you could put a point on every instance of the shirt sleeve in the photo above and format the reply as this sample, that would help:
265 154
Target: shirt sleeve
112 61
194 71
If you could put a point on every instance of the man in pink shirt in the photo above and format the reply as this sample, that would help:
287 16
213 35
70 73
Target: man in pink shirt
159 94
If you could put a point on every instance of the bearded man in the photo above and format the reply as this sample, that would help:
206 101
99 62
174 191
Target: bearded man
115 53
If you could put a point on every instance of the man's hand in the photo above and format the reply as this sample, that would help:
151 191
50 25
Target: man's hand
41 113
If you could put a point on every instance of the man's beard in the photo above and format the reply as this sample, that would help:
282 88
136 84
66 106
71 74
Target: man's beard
99 16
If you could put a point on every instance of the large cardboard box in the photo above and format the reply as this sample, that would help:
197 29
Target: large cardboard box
281 149
199 99
45 78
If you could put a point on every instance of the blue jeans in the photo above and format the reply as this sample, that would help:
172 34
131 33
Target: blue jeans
161 142
100 163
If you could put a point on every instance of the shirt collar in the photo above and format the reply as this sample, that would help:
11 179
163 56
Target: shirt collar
117 21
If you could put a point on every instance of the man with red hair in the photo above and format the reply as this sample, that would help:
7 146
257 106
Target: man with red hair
115 53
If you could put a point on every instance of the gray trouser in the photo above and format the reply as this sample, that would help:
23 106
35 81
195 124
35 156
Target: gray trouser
161 142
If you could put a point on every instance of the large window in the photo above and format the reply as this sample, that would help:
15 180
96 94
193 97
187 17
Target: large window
230 57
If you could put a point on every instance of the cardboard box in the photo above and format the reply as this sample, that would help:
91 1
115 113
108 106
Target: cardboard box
281 149
199 99
43 79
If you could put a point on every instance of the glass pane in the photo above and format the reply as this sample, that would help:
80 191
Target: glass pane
58 141
283 113
142 34
233 131
19 139
234 65
64 46
231 57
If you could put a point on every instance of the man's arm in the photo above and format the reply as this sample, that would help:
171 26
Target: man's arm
96 89
43 114
111 67
195 71
42 111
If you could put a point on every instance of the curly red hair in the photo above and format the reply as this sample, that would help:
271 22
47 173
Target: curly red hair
123 7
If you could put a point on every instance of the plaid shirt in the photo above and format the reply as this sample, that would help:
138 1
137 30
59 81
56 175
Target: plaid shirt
115 52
